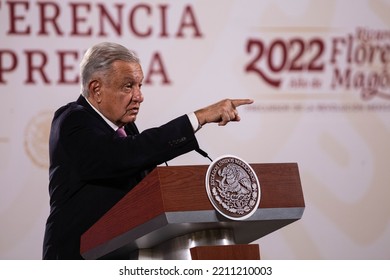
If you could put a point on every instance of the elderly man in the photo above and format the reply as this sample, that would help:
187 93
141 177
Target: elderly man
97 154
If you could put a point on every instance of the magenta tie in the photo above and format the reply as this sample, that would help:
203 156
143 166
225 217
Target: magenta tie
121 132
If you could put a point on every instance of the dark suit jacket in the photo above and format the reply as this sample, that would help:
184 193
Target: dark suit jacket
91 169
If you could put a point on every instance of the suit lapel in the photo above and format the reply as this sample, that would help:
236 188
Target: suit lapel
131 129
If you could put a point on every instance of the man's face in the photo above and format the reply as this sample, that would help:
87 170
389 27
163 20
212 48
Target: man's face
120 92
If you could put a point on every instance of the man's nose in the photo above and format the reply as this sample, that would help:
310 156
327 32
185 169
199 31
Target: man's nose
138 96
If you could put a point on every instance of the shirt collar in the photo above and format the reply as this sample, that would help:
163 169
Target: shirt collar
110 123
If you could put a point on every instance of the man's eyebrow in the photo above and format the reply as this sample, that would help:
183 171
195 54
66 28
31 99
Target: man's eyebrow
127 79
132 80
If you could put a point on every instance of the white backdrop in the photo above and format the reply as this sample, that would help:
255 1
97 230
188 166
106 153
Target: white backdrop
317 70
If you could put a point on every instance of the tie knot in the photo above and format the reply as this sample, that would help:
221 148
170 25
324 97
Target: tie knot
121 132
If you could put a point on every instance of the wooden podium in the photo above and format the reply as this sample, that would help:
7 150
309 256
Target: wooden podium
169 216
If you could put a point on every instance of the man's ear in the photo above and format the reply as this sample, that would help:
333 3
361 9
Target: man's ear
94 88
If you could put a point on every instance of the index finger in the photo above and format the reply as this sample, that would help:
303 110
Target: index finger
239 102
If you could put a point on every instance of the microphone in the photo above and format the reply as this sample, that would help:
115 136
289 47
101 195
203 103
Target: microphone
203 153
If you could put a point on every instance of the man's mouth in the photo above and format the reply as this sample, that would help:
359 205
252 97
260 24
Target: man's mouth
133 111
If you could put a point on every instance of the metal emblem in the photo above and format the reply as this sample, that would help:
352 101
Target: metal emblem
233 187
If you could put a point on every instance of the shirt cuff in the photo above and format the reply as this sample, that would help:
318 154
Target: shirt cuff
194 121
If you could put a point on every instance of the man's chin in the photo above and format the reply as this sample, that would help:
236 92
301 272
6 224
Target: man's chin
130 119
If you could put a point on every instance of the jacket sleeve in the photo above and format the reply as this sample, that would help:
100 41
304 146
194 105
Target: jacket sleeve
96 154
